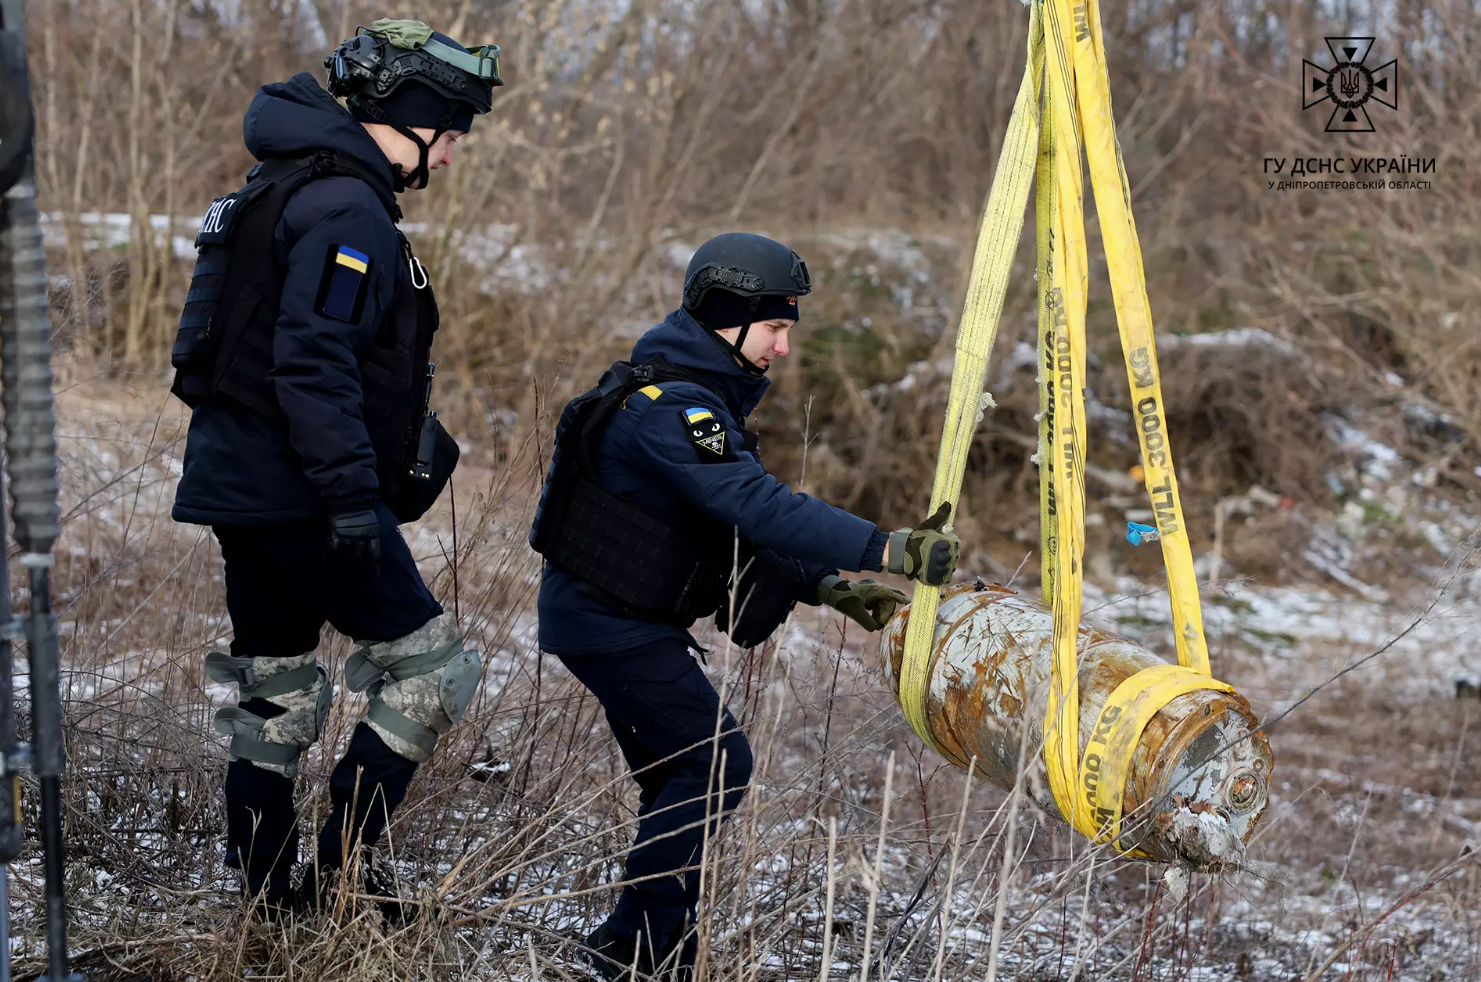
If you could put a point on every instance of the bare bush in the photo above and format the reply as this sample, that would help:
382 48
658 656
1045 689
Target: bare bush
628 132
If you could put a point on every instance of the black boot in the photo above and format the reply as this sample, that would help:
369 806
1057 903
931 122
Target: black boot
379 884
613 957
261 835
367 785
272 899
681 952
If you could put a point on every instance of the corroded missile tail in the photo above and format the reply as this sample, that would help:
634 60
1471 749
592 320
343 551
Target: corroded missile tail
1200 775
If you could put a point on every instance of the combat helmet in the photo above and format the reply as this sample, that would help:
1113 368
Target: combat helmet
738 278
404 74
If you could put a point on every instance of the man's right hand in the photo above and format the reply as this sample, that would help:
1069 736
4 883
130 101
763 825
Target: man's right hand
925 553
355 541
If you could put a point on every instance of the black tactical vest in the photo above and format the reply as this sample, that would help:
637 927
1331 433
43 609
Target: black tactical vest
671 567
224 346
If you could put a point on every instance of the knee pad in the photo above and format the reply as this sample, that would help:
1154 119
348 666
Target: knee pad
419 685
297 684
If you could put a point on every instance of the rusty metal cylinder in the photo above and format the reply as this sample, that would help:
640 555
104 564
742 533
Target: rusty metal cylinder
1200 776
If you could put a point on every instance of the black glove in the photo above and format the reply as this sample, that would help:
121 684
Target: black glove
355 541
862 601
926 553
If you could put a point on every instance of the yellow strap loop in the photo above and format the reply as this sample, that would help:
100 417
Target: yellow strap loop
997 241
1118 729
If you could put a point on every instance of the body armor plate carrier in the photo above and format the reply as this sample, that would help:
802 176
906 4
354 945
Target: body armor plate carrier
224 346
673 569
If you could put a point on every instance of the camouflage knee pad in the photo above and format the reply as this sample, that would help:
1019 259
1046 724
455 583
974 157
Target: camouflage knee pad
297 683
419 685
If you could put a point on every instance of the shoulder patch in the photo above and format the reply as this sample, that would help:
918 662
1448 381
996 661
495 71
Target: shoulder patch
651 391
342 287
707 433
215 227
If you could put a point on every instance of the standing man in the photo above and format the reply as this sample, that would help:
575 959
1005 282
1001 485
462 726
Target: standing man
303 350
653 479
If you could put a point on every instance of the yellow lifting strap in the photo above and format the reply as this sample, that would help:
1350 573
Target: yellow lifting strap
997 241
1063 109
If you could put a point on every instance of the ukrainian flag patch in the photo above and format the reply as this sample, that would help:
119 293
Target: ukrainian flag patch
695 415
342 287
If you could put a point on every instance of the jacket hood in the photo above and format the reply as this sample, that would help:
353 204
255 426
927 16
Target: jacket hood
297 118
679 340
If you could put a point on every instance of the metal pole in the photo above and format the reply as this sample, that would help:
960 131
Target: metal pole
46 712
30 445
4 923
12 755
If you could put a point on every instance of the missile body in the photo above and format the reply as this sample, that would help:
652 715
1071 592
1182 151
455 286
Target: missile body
1200 775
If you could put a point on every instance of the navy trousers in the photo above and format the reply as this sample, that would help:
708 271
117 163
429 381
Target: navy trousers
280 591
663 712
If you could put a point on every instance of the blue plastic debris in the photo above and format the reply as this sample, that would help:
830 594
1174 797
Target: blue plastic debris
1137 533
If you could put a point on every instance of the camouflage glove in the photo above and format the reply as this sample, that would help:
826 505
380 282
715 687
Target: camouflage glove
926 553
863 601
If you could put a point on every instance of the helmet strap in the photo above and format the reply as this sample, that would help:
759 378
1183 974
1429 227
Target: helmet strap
740 341
733 349
417 179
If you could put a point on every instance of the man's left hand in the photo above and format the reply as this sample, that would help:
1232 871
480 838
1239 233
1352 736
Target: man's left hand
863 601
355 542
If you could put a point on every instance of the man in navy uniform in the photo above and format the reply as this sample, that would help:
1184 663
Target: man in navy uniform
303 350
653 478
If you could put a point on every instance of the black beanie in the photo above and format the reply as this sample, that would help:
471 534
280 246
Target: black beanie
721 309
414 104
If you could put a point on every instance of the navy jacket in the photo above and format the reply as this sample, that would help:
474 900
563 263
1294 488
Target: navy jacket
648 454
241 468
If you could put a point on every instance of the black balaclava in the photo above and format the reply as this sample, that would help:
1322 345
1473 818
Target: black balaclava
721 309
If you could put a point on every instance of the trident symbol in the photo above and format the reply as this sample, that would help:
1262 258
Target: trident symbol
1350 84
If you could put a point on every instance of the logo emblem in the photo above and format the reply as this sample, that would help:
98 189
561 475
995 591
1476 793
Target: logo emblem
215 220
711 436
1350 84
707 432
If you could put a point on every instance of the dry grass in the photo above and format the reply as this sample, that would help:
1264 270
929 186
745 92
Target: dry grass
854 846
